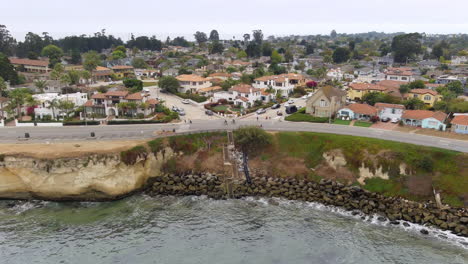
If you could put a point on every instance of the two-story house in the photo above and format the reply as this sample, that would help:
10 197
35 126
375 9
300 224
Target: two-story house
243 95
107 104
27 65
428 96
192 83
399 74
283 84
123 71
357 90
326 101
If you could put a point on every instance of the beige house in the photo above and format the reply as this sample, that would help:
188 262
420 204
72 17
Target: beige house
326 101
192 83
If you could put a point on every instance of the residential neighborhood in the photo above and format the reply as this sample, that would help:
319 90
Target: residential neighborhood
306 82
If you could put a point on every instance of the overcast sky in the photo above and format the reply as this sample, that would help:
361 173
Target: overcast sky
274 17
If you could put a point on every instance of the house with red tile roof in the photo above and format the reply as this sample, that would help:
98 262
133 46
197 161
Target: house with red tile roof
425 119
107 104
399 74
460 123
243 95
192 83
283 83
38 66
428 96
357 111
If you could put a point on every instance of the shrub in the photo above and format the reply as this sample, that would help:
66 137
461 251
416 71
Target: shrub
81 123
195 97
129 157
222 101
156 145
140 116
133 122
374 119
426 163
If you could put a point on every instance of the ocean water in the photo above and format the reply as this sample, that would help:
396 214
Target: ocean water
143 229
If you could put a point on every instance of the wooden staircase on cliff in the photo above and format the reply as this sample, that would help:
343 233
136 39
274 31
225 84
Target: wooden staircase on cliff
230 164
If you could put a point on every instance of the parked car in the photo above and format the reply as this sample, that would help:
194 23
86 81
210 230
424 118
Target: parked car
175 108
209 112
181 112
291 109
385 119
260 111
395 120
279 113
305 96
291 101
276 106
186 101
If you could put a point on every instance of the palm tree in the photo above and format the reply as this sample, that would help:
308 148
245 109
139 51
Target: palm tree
66 106
18 98
122 106
53 104
132 106
40 84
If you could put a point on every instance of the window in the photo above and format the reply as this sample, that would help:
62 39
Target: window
404 78
427 97
393 78
323 103
415 96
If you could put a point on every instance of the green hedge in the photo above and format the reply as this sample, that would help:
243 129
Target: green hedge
81 123
300 117
134 122
195 97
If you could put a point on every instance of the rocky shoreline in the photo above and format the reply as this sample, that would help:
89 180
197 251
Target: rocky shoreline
351 198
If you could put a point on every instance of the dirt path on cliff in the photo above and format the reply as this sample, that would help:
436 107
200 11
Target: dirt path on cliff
67 149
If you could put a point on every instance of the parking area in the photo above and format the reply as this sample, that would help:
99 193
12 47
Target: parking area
192 111
272 113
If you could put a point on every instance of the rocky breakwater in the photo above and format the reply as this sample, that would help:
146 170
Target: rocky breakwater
352 198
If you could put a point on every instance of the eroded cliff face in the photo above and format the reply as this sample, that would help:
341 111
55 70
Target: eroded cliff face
93 177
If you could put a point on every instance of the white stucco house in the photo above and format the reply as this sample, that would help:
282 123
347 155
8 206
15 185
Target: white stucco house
399 74
390 110
283 84
45 100
243 95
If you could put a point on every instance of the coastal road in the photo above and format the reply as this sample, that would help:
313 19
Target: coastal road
116 132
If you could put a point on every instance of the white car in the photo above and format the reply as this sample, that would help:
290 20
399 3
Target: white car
186 101
304 96
291 101
395 120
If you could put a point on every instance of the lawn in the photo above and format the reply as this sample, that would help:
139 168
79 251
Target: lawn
146 84
362 124
220 108
342 122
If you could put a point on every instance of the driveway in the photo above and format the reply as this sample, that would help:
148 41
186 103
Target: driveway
386 126
271 113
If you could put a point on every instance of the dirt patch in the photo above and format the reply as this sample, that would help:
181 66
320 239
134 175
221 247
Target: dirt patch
68 149
419 185
341 174
279 167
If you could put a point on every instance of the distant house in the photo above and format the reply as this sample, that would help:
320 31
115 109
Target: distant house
220 75
460 123
44 108
424 119
358 111
357 90
123 71
445 79
428 96
209 91
457 60
102 73
399 74
192 83
170 72
326 101
390 110
429 64
27 65
283 84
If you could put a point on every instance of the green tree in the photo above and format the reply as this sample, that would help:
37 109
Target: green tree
57 72
414 104
214 35
75 57
118 54
3 87
18 98
241 54
54 54
406 46
276 57
200 38
66 106
40 84
169 83
53 104
341 55
267 49
7 71
133 84
216 47
288 56
455 87
86 75
91 61
139 63
333 34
